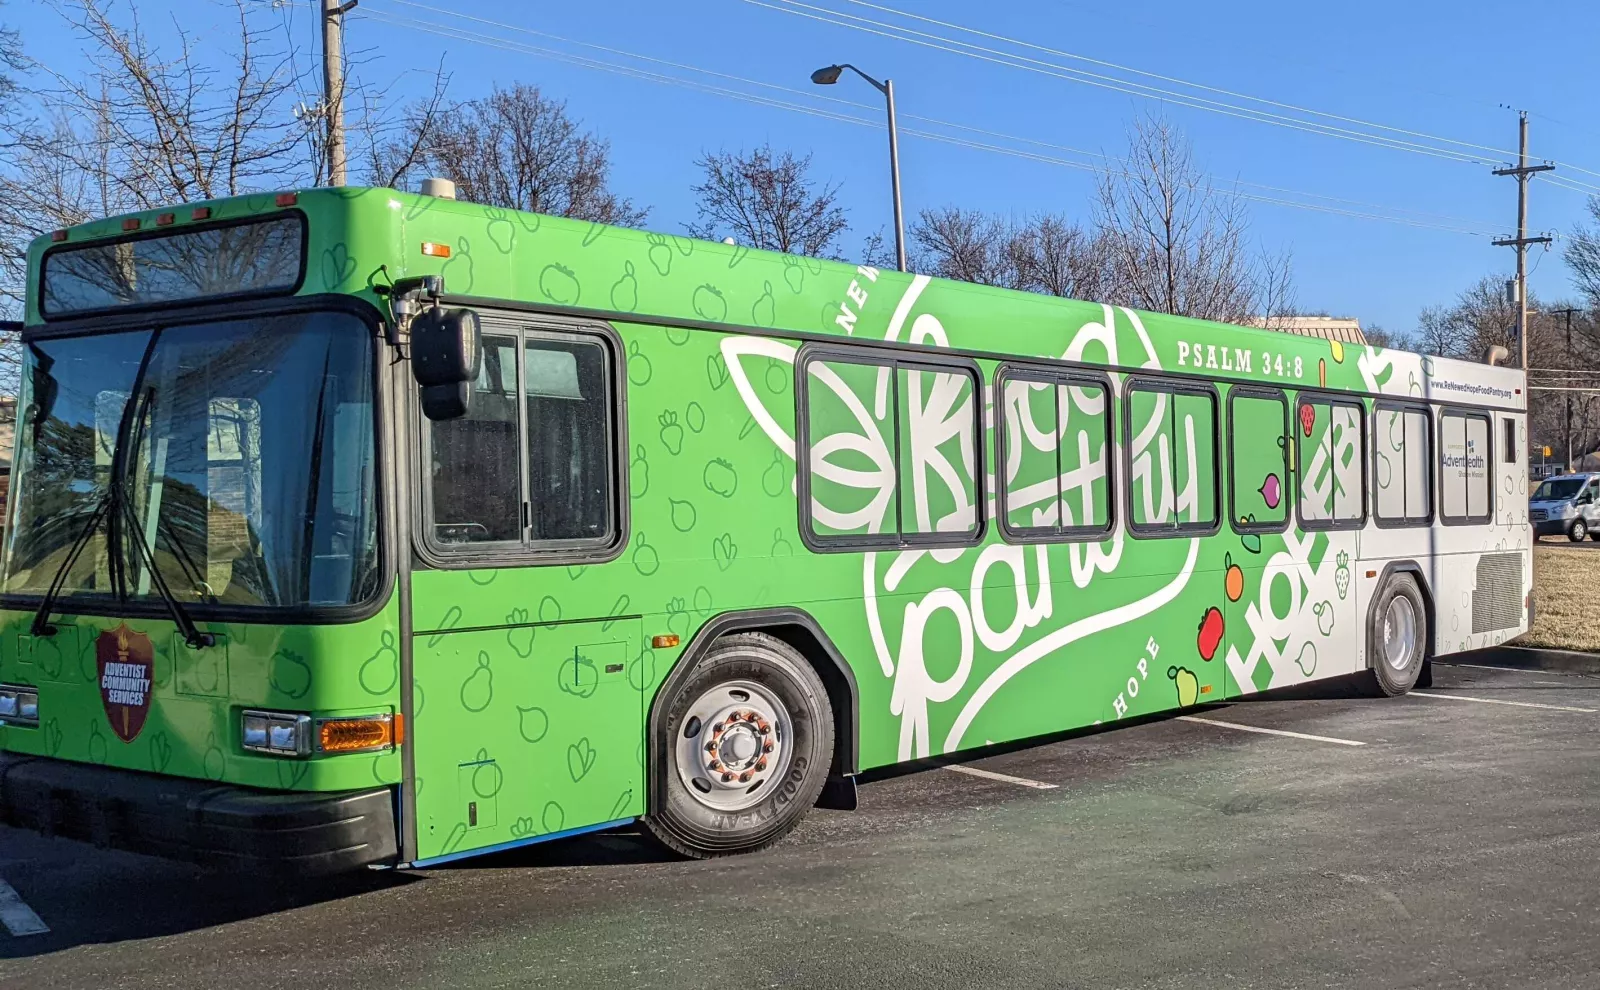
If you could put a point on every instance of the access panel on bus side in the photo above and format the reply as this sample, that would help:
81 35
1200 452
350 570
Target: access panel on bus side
524 731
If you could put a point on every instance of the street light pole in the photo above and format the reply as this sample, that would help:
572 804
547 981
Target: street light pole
830 75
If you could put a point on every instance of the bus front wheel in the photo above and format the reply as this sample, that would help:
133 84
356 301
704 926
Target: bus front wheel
750 739
1397 637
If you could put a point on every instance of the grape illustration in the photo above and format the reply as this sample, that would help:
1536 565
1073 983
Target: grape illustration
671 432
1341 574
478 689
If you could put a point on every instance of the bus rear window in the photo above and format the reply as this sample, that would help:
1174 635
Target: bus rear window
254 258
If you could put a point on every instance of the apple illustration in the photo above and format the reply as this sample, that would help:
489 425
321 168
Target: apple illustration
1210 633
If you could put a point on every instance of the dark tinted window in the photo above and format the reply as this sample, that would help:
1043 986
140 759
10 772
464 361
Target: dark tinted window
533 463
243 258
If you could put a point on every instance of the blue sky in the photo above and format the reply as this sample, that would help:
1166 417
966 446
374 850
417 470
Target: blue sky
1442 67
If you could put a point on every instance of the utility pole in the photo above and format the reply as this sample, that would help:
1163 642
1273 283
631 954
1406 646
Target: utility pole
1523 172
1568 359
333 84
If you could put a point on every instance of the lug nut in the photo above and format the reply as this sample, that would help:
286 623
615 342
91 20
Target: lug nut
714 765
744 778
727 778
763 728
761 764
766 747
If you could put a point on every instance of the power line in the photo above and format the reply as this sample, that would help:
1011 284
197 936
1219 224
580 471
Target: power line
462 34
1012 60
1155 75
1172 79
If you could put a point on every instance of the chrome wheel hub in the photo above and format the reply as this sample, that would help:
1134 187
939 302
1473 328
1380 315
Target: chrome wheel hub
731 745
1399 632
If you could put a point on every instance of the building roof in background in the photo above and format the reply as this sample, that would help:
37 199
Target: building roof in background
1344 329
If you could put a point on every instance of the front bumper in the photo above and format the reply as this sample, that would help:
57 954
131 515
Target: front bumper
1552 527
197 820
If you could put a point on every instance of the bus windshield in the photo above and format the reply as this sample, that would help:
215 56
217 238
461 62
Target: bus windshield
247 461
1558 489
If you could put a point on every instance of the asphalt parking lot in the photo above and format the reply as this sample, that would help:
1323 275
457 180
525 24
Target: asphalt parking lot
1448 838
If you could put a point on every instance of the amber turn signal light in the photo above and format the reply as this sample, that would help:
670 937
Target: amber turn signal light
355 735
666 642
434 250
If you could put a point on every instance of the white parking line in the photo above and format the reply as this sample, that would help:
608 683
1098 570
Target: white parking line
1489 666
1497 701
16 915
1269 732
1037 785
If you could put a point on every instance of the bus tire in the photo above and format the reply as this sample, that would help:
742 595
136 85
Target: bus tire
748 746
1397 637
1579 530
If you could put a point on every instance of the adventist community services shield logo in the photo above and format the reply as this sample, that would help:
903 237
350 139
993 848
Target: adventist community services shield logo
127 669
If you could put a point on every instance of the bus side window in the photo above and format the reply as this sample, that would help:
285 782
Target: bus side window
1258 459
1465 493
1332 464
1055 437
1508 446
1402 443
1171 435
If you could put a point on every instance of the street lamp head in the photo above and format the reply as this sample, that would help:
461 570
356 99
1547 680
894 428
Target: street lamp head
827 76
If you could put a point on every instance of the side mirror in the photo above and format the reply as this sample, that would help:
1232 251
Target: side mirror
446 350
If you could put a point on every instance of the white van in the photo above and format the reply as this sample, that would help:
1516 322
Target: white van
1567 503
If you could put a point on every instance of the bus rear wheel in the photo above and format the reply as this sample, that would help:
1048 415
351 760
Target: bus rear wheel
749 742
1397 637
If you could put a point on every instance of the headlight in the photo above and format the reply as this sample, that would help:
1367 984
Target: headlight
19 705
276 733
1561 509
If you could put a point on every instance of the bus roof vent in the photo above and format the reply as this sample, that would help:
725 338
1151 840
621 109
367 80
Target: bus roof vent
442 188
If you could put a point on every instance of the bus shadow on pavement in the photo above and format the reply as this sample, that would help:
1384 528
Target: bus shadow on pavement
89 896
628 845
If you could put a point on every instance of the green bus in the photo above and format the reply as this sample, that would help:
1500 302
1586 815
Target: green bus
353 527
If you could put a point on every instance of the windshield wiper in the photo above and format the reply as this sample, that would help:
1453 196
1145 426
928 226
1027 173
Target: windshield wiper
114 508
41 616
192 636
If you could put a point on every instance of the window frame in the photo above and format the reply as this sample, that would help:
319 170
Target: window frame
1234 521
1430 463
1508 449
505 553
1009 371
1487 417
1312 397
892 358
1171 386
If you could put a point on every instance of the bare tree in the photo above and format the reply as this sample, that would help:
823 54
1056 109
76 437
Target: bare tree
520 150
1047 253
767 200
1179 245
1583 255
141 127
